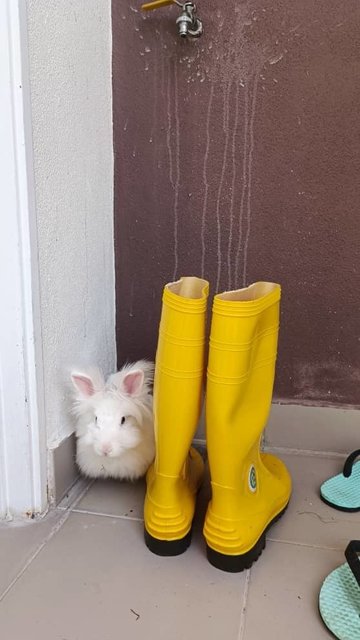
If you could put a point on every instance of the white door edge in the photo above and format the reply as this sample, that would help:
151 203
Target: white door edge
23 473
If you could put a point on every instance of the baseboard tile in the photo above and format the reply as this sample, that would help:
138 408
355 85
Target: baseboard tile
322 429
306 430
66 472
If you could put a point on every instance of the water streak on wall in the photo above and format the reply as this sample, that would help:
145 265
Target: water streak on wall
237 157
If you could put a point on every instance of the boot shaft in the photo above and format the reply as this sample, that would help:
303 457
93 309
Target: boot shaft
242 355
240 378
179 372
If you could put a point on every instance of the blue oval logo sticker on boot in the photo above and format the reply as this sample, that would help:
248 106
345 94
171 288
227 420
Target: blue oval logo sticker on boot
252 479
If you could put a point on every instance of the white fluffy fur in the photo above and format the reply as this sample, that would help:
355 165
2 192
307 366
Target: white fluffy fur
107 445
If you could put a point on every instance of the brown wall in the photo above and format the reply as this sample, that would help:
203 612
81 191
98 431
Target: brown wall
237 157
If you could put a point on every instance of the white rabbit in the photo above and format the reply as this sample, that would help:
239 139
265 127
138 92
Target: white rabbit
115 430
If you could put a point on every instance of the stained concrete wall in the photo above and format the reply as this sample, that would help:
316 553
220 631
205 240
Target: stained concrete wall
238 159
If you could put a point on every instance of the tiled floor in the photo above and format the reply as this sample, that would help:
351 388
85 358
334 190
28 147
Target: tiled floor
84 572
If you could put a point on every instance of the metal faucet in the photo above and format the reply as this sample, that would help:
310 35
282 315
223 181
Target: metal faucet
187 22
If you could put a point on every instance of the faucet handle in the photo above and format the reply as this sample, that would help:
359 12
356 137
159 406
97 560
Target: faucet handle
188 24
157 4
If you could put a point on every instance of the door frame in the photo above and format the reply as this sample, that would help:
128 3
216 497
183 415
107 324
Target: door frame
23 450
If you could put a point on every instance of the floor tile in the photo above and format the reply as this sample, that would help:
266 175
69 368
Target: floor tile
308 520
95 580
18 542
116 498
283 593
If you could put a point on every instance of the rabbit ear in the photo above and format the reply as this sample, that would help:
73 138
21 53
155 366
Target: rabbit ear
83 384
133 382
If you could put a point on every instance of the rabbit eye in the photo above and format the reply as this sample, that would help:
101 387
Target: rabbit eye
122 420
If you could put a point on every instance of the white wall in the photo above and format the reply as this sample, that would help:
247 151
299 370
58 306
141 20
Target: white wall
70 72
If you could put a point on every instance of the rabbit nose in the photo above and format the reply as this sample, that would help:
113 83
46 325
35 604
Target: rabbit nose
106 448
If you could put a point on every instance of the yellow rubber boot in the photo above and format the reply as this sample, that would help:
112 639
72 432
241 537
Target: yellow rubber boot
250 490
175 477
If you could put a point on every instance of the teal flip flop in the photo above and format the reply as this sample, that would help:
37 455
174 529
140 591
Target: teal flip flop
343 491
339 599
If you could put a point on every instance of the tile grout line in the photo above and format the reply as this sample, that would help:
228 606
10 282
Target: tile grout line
107 515
40 547
244 604
304 544
312 453
70 497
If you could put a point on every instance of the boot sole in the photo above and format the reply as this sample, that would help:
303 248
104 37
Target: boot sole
167 547
235 564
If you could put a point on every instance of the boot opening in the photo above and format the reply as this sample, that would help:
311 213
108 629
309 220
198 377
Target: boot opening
253 292
189 287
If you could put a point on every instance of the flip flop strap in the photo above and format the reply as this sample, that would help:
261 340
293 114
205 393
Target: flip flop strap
352 556
349 462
